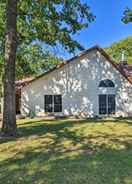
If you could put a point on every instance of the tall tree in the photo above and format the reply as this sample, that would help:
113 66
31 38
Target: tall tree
127 18
49 21
9 117
116 48
33 60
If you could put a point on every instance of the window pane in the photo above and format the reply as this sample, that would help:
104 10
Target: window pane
48 103
110 83
58 108
48 108
57 103
48 99
111 104
106 83
57 99
102 104
102 84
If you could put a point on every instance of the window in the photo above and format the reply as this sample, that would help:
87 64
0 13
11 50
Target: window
53 103
57 103
48 103
106 83
107 104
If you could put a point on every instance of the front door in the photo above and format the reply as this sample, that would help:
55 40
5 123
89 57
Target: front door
106 104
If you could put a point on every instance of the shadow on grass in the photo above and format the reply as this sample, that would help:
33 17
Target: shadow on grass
53 162
41 127
33 166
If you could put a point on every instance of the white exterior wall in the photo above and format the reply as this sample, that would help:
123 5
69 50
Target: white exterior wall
78 82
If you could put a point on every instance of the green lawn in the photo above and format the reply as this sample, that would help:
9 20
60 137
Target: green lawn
65 151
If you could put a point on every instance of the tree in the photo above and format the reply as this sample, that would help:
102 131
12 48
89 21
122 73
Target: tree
51 22
9 118
2 26
32 60
115 49
127 18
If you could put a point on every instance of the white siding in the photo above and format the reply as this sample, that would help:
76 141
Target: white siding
78 83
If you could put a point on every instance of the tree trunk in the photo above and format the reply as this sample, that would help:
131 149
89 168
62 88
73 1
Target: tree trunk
9 111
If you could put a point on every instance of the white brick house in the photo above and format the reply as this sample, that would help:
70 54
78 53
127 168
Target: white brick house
89 84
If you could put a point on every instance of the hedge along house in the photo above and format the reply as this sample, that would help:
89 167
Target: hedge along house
89 84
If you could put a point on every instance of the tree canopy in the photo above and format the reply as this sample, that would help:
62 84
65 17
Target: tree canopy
52 22
49 22
127 17
116 49
33 60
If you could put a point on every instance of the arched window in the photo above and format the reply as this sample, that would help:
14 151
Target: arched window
106 83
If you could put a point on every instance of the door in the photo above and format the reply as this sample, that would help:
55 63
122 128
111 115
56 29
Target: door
111 104
106 104
102 104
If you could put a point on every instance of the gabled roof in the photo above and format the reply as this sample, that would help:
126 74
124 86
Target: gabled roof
19 84
82 54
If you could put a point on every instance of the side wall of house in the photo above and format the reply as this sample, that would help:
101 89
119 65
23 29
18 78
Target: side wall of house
78 83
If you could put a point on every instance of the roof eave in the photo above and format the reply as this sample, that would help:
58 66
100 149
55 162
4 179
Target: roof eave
82 54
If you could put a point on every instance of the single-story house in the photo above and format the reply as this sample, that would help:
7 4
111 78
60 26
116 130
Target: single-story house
19 85
89 84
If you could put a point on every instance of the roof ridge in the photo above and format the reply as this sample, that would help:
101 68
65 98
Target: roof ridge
83 53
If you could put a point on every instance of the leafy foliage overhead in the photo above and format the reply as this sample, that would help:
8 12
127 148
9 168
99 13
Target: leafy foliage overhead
127 18
53 21
33 60
50 22
116 49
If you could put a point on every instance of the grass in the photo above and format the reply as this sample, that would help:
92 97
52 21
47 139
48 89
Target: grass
94 151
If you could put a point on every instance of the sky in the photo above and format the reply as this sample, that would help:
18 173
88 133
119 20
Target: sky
107 27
